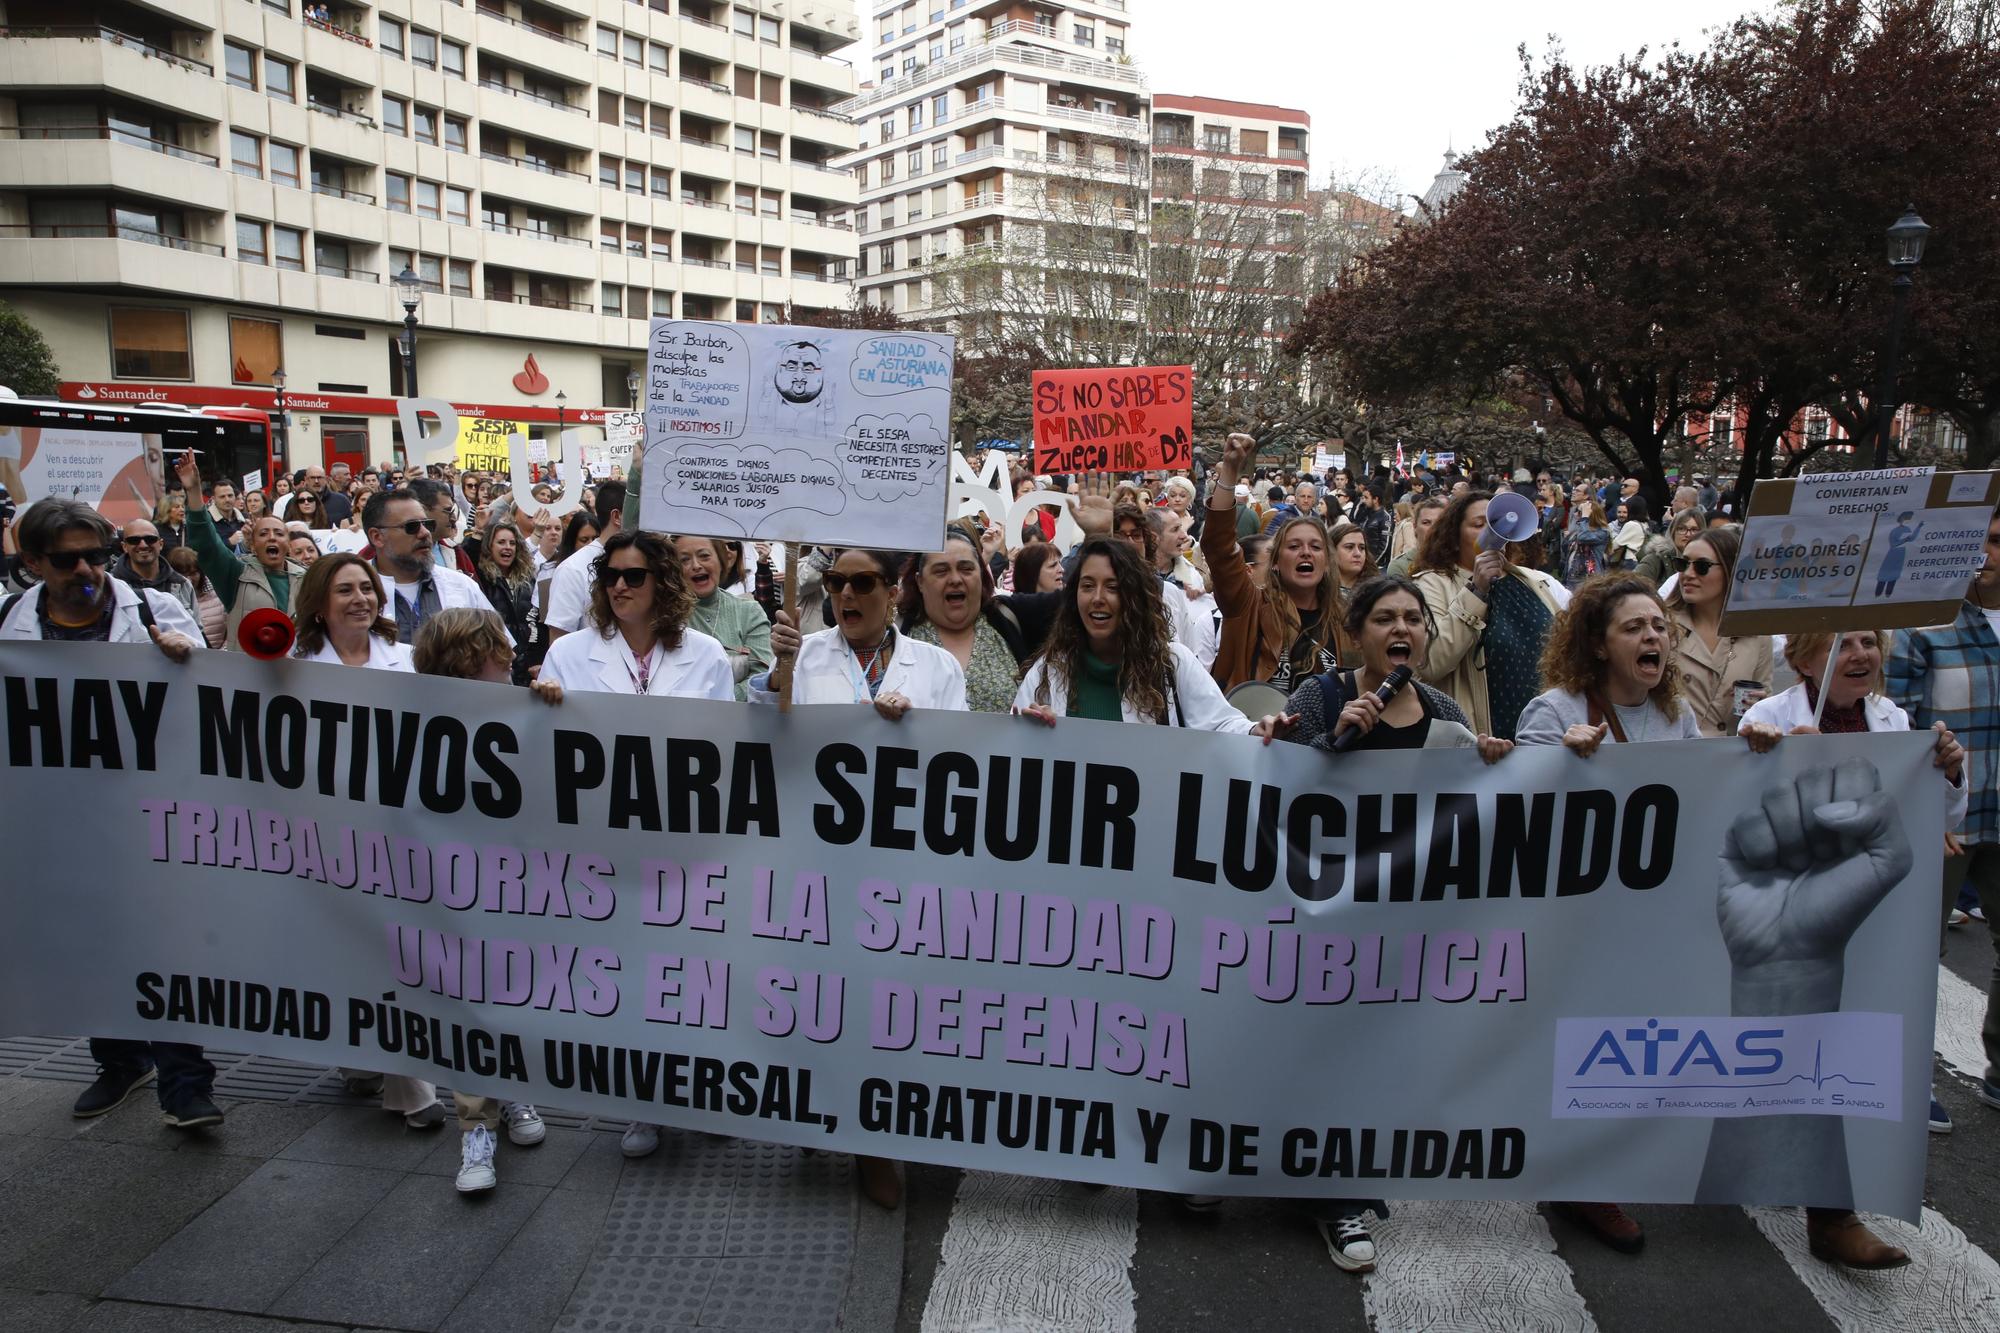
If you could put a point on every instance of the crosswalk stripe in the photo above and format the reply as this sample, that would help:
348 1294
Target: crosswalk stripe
1950 1285
1961 1012
1471 1268
1022 1255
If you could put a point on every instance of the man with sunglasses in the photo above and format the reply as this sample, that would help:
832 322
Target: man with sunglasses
68 546
402 539
140 566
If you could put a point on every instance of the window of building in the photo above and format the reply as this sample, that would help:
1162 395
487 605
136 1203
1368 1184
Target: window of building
424 123
635 178
607 106
661 182
940 108
251 245
770 203
745 139
767 30
150 343
746 81
663 244
395 115
607 42
392 38
1722 430
746 312
1256 143
278 79
427 200
454 58
455 133
284 164
288 248
940 154
635 114
915 165
936 53
240 64
663 121
608 236
460 272
746 199
246 154
256 348
887 129
607 172
771 261
614 298
916 117
399 194
1086 34
770 145
957 43
656 57
424 48
1114 46
457 206
888 169
663 305
746 23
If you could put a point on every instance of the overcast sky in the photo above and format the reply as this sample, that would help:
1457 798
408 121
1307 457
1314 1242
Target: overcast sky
1389 85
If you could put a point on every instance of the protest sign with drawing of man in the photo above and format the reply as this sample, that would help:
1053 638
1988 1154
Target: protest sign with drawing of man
797 399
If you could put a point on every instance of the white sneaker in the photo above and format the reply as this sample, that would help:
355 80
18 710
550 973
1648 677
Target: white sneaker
1348 1241
640 1140
524 1124
475 1165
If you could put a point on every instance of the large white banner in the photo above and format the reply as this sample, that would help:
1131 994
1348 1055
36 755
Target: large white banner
767 431
1127 954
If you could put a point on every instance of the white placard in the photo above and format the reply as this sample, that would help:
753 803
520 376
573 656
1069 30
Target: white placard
1842 494
538 451
253 481
831 436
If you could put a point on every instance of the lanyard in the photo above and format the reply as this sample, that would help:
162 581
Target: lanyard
640 672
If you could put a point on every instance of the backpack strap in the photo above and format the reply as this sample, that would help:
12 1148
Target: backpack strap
1599 715
7 607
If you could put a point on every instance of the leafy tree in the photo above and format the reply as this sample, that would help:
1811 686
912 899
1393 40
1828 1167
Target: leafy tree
27 366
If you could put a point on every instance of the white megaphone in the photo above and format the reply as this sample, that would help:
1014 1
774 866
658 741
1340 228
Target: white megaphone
1509 518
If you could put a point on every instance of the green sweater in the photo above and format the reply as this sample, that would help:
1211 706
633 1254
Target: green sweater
740 625
1097 694
222 567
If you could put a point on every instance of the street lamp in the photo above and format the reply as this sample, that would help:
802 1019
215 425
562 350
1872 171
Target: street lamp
283 451
409 290
1906 251
632 388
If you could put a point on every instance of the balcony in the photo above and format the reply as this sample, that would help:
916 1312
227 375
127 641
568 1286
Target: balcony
540 300
1124 127
534 233
106 231
115 37
1005 52
533 164
538 29
112 134
529 95
328 26
330 270
333 191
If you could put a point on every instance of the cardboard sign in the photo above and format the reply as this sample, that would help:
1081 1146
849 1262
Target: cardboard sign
482 442
838 437
1859 550
253 481
1114 419
622 433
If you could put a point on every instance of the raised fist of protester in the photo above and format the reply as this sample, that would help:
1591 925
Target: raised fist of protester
1274 725
1239 459
1801 872
1494 748
188 472
177 647
785 637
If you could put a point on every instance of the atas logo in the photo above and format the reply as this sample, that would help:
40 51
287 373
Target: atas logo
1647 1050
1813 1064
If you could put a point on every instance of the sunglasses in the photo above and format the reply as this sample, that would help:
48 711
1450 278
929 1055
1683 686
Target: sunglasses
417 525
140 541
631 578
68 560
864 585
1702 568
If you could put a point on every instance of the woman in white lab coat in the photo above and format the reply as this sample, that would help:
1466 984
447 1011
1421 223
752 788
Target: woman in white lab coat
636 638
862 659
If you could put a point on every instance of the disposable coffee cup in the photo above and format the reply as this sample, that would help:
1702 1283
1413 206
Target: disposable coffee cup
1745 690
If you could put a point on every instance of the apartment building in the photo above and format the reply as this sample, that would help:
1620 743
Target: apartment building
984 123
201 192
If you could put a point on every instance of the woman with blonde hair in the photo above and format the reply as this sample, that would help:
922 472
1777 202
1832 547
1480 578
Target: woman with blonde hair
1713 664
1282 630
170 517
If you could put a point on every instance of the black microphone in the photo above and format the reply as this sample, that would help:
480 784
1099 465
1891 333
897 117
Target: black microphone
1390 687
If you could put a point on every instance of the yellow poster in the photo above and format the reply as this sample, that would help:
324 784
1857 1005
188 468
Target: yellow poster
482 442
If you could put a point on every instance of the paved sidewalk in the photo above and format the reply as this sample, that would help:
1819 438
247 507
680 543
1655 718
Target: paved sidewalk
310 1210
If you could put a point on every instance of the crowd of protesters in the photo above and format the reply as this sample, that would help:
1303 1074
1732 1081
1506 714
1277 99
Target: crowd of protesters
1238 599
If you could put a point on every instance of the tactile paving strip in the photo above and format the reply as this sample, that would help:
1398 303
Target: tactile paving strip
760 1236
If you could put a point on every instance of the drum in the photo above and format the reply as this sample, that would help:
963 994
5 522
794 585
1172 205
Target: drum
1257 699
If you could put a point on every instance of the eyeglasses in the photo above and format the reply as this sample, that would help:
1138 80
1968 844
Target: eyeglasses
631 578
416 525
864 585
141 541
1700 568
68 560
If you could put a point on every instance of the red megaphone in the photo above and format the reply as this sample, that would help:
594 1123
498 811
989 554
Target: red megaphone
266 634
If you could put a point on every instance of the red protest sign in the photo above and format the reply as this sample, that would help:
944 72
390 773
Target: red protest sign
1114 419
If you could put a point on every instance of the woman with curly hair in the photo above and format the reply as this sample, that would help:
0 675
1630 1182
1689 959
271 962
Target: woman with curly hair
1280 630
863 659
507 577
1611 672
1109 655
1492 610
636 639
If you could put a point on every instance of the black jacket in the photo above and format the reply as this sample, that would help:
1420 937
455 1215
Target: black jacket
515 604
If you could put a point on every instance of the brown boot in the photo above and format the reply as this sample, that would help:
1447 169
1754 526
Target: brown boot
1606 1221
880 1182
1842 1238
